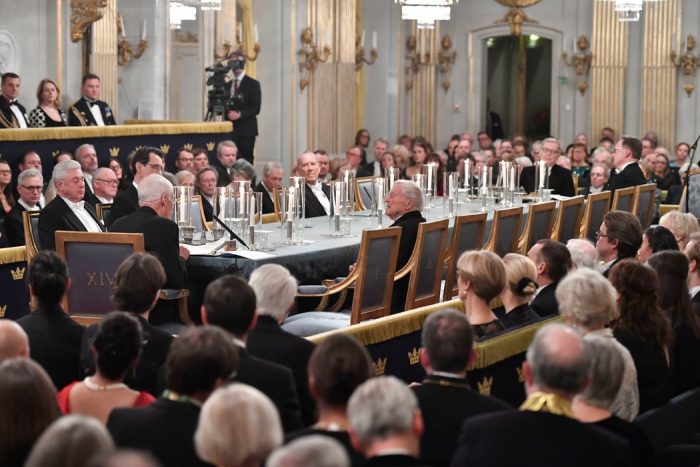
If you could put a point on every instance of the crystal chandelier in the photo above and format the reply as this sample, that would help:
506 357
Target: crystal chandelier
426 12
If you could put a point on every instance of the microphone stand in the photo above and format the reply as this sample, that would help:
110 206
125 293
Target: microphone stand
231 233
693 148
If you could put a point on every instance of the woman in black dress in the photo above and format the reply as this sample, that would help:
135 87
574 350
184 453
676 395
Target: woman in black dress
48 113
521 285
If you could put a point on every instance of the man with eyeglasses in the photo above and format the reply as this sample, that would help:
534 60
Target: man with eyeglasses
67 211
29 185
559 179
146 161
619 237
104 185
628 151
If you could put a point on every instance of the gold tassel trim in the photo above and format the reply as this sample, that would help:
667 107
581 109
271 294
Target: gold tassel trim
38 134
16 254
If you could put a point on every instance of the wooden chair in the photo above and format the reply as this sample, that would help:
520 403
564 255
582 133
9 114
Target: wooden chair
467 234
104 212
425 265
505 231
363 193
277 196
93 259
568 223
597 206
644 206
270 218
540 219
199 221
624 199
666 208
30 220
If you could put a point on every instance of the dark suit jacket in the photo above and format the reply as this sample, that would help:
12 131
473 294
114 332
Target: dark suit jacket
394 460
695 303
445 403
7 117
367 170
268 204
249 98
79 114
161 237
165 429
126 202
495 127
267 340
409 232
58 216
559 180
153 354
313 207
14 226
90 196
54 343
545 303
275 381
632 175
224 177
536 439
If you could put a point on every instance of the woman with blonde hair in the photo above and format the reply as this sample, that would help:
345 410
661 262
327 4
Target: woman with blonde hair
521 285
681 225
48 113
481 277
402 156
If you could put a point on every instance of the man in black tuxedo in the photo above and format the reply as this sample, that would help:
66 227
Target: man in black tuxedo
89 110
200 360
375 168
692 251
206 187
146 161
404 204
560 180
161 237
12 113
275 289
272 174
385 422
67 211
229 303
544 431
29 185
226 154
553 261
619 237
628 151
445 398
317 193
87 157
245 92
494 126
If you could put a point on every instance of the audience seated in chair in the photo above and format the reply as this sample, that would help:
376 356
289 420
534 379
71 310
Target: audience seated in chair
481 278
682 225
54 338
521 285
310 451
13 340
275 289
583 254
29 184
338 365
553 262
444 397
229 303
272 174
619 237
627 172
104 184
587 303
656 238
200 360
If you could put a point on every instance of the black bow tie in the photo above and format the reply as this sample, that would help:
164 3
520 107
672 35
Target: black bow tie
91 103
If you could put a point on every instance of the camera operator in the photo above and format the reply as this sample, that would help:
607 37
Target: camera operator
245 93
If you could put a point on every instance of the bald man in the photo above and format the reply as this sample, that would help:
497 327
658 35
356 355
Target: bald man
13 340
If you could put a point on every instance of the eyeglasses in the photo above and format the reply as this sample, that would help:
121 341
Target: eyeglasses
599 234
5 172
110 182
31 188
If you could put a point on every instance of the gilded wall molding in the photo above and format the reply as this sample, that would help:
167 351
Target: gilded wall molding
82 14
103 56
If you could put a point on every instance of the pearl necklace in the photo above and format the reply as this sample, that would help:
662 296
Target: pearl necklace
96 387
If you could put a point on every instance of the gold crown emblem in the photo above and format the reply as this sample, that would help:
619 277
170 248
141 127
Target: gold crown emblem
165 148
485 385
55 153
414 356
188 146
521 375
114 152
138 147
210 146
18 273
2 311
379 366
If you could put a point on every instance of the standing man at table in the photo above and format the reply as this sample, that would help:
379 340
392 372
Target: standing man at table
89 110
317 194
245 92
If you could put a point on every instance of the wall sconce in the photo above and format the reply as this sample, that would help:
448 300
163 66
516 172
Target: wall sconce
688 63
310 56
445 60
360 59
124 50
581 61
227 49
417 56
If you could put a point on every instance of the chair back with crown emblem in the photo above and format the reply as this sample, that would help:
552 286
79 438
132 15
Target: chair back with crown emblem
31 232
467 234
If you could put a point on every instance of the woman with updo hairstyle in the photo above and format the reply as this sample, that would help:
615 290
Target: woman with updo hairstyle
337 366
654 239
116 348
521 285
644 329
27 408
481 276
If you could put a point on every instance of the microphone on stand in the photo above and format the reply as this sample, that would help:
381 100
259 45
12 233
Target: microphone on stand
232 234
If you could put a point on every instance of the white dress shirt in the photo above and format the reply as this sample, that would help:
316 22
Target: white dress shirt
694 291
83 216
18 115
617 171
96 112
27 207
104 200
321 196
377 169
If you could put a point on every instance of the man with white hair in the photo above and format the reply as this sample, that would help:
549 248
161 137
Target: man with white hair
87 157
385 422
272 174
160 234
559 178
104 185
317 193
310 451
583 254
556 369
13 340
275 289
29 185
67 211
